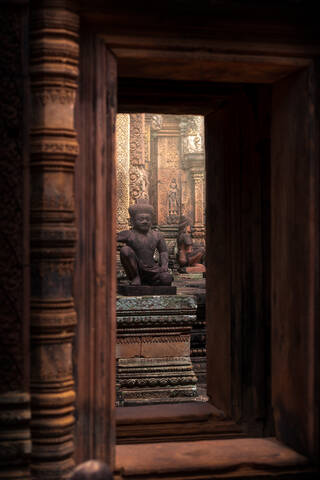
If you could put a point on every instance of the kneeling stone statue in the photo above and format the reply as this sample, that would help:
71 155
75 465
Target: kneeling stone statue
137 257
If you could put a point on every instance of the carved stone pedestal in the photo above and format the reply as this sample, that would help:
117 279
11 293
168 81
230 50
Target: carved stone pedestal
153 349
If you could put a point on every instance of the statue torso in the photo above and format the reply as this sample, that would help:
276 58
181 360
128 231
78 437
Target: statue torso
144 245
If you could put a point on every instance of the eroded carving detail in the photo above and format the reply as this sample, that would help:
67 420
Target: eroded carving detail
192 128
168 151
156 122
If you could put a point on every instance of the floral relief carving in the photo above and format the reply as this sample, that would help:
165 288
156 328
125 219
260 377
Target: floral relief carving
123 165
138 183
137 130
55 95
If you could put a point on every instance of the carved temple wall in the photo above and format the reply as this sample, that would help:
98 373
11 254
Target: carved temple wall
162 157
15 412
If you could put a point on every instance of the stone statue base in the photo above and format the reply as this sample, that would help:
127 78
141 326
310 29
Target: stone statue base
153 349
139 290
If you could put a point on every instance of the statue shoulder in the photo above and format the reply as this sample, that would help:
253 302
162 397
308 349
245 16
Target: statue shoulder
124 235
186 239
158 235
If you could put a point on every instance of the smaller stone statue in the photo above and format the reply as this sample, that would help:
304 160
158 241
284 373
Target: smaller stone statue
190 257
137 257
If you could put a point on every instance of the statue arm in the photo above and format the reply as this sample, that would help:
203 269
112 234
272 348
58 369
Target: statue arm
163 254
123 236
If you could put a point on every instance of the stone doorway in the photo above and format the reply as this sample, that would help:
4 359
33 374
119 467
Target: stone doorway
161 157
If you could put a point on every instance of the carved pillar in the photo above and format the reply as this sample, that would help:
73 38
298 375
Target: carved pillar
15 441
139 182
192 129
123 165
199 202
54 148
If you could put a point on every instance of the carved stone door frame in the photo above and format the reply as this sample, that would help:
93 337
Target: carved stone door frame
238 304
294 264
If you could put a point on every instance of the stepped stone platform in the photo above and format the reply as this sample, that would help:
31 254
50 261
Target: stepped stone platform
195 284
153 349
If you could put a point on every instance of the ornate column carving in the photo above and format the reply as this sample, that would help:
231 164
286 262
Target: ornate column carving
54 148
139 182
192 129
199 202
123 165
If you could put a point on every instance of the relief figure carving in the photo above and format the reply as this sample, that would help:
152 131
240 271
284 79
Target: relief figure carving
173 202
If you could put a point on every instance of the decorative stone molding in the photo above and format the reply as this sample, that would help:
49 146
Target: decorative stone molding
54 148
123 166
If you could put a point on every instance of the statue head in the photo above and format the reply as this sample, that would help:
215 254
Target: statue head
141 215
185 224
92 470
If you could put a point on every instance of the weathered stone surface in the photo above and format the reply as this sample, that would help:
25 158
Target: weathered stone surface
157 302
209 459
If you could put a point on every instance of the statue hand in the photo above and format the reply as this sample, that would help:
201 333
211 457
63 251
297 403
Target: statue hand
163 268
